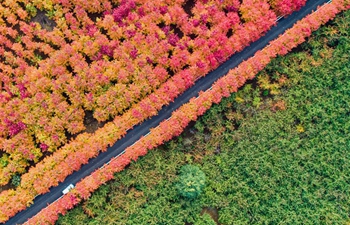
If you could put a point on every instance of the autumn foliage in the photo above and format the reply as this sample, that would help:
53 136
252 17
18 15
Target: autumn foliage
190 111
111 62
126 65
286 7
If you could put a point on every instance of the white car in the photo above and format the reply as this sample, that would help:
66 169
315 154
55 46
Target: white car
67 189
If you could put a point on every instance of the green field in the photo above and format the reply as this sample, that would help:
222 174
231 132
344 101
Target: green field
276 152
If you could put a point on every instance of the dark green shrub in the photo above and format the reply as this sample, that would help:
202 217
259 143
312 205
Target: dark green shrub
191 181
16 180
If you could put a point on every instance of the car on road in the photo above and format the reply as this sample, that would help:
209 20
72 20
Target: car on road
67 189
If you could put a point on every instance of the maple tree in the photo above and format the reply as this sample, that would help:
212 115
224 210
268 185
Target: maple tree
77 84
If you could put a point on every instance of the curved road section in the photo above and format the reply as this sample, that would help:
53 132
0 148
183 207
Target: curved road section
133 135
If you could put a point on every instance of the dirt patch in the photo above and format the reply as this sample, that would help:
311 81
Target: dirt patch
188 6
213 212
91 123
7 187
44 21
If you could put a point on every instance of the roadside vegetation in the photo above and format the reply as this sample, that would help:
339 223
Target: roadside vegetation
277 151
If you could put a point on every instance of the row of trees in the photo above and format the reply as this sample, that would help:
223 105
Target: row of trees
190 111
49 78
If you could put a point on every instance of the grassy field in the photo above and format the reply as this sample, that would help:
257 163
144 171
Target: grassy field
276 152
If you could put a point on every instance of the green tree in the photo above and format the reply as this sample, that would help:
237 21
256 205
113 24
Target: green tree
191 181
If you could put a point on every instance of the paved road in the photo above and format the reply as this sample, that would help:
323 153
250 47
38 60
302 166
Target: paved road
140 130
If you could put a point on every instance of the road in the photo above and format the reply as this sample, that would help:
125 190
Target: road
133 135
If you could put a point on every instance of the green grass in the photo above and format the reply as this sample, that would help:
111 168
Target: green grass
277 152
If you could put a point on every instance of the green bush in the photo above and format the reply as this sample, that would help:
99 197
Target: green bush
4 160
31 10
205 219
191 181
16 180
